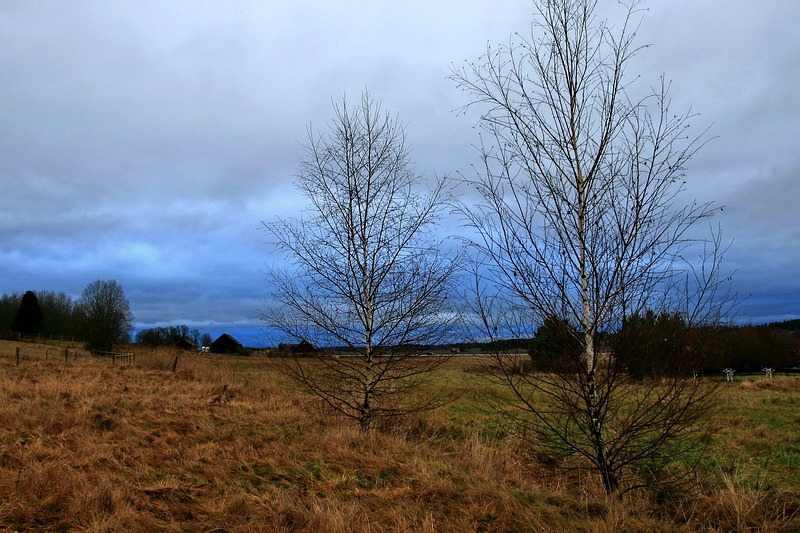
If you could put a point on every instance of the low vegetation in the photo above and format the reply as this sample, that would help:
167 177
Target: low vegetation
225 443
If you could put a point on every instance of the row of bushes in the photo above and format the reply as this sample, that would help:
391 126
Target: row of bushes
657 344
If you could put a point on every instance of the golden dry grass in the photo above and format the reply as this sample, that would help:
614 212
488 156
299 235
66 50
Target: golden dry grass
226 444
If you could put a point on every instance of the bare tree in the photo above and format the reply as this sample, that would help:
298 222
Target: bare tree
581 219
106 314
59 314
363 272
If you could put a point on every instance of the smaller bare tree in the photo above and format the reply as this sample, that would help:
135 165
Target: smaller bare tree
363 272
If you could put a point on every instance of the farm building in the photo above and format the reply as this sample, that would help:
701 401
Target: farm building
185 344
225 344
302 348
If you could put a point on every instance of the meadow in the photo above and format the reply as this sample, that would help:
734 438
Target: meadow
225 443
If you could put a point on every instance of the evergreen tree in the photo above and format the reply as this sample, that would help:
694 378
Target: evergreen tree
28 319
556 347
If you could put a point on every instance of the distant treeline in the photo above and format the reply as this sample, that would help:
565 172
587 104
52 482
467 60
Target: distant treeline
655 344
180 336
658 344
45 314
789 325
752 348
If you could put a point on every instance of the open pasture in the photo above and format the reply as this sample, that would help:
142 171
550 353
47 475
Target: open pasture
178 441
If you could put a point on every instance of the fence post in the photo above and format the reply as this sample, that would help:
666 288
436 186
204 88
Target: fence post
17 355
66 354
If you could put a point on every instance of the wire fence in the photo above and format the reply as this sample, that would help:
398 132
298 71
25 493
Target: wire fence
18 353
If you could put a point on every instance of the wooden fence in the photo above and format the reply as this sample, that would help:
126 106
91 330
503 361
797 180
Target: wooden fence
121 357
38 352
43 352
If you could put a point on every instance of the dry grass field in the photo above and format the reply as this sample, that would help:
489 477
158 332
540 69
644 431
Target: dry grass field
227 444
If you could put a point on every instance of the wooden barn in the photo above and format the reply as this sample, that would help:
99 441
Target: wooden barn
225 344
186 344
302 348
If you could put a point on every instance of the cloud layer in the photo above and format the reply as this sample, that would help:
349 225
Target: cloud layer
146 141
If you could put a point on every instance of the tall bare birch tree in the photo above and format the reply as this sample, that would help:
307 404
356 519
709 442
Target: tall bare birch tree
363 269
581 219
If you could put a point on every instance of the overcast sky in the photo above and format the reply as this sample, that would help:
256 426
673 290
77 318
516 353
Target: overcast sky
146 141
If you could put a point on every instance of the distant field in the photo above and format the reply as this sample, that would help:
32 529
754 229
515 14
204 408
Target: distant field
225 443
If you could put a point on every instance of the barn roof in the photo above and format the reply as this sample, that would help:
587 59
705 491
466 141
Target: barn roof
227 339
